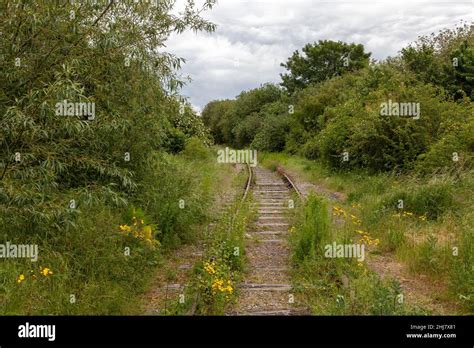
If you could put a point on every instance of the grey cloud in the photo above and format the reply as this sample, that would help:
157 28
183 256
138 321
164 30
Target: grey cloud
254 37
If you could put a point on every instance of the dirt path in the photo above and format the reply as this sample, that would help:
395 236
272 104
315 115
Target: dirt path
267 289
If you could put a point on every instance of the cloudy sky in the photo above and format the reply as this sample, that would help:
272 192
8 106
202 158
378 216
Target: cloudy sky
254 36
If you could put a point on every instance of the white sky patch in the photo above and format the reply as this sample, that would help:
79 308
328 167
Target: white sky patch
254 37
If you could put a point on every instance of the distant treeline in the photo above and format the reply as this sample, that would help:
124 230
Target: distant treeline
409 112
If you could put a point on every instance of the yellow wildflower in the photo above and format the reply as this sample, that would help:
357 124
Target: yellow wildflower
209 268
217 284
125 228
46 271
21 278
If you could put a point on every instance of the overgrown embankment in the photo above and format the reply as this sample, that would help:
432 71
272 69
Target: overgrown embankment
422 250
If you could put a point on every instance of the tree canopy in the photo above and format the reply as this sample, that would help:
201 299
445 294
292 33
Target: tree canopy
321 61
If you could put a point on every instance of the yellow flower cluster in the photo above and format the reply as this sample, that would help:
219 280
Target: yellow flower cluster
338 211
218 285
46 271
43 271
139 230
355 220
125 228
209 267
292 229
410 214
367 240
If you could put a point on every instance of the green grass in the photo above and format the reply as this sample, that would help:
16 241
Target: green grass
337 286
313 231
436 218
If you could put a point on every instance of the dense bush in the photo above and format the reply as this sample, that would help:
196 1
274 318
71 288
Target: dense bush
175 141
452 152
175 191
383 143
237 122
213 115
48 159
271 136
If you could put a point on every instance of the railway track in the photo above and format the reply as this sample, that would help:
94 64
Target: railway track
267 289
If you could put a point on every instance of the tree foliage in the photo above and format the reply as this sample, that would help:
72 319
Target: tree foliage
445 59
322 61
109 54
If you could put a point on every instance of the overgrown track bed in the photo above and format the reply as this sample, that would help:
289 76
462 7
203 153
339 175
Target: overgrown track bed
179 295
267 289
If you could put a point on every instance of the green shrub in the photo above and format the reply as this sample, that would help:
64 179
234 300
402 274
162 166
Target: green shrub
176 192
313 230
385 143
88 261
311 149
174 141
332 142
433 199
196 150
272 135
458 142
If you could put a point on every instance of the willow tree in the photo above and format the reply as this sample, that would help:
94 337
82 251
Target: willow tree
109 54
